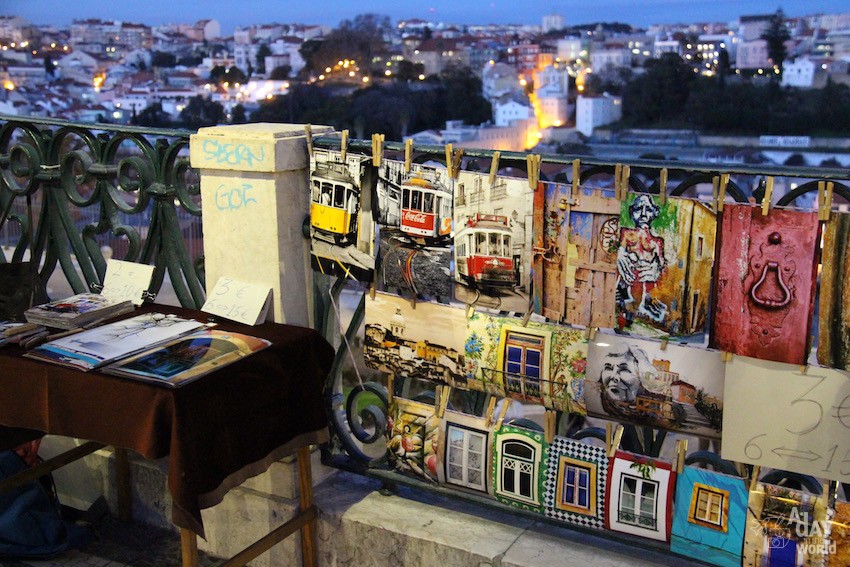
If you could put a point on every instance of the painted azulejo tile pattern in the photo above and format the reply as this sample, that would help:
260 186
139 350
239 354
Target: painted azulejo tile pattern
575 483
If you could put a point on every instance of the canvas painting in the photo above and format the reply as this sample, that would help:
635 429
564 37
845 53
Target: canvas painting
492 242
709 516
519 457
664 264
464 457
342 231
414 231
576 238
575 483
834 312
412 433
838 546
784 527
640 496
765 283
425 341
679 388
538 363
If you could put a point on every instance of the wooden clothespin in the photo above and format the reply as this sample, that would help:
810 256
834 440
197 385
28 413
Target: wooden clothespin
449 161
681 450
390 388
308 135
721 191
377 149
754 479
590 333
470 310
618 180
768 196
491 408
613 441
664 343
576 177
408 155
550 425
343 145
456 161
413 302
527 317
625 172
372 290
715 183
662 186
726 356
503 413
494 167
441 400
533 165
825 189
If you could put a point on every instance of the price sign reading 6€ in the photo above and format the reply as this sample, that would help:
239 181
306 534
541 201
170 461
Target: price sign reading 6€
238 301
126 280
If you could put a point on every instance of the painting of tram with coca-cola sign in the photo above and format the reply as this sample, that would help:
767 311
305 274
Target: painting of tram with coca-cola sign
492 224
414 231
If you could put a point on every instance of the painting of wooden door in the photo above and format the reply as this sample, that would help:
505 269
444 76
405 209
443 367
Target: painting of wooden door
576 238
834 312
765 283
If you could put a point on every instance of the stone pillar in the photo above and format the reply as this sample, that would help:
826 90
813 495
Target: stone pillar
255 196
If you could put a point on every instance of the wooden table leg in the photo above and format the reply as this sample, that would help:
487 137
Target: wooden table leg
122 484
305 486
189 547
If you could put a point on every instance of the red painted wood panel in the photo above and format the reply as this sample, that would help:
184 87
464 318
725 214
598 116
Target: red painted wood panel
765 283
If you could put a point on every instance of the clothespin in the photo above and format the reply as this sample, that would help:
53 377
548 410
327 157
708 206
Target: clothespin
662 186
494 167
824 199
715 183
491 408
441 400
503 413
664 343
377 149
804 368
470 310
408 155
526 317
721 191
681 450
456 161
613 441
449 161
625 172
618 179
754 479
768 196
726 356
343 145
550 425
308 135
576 176
533 165
372 291
390 389
590 333
413 302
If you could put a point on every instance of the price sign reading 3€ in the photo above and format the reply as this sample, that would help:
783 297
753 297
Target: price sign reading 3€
238 301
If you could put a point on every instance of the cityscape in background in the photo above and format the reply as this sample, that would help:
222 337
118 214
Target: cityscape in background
664 92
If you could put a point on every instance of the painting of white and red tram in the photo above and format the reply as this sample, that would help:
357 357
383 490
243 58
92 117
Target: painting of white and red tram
483 253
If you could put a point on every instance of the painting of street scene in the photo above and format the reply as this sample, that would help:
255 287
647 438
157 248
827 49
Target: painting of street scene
414 231
492 242
425 341
678 388
341 229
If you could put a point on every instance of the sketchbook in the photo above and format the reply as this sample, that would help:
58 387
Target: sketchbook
77 311
105 344
187 358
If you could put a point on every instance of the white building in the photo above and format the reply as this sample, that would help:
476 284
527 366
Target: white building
290 47
551 88
710 45
553 22
804 73
602 59
498 79
504 113
594 111
663 46
753 55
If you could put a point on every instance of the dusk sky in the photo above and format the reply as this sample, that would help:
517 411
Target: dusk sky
231 13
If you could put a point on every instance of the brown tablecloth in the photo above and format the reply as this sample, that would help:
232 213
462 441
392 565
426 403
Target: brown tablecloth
216 431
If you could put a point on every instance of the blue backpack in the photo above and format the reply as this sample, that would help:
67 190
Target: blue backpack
30 523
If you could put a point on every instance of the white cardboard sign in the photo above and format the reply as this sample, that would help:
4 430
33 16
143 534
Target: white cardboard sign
126 280
779 417
238 301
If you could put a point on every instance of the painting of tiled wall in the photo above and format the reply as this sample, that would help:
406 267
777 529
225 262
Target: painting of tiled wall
575 483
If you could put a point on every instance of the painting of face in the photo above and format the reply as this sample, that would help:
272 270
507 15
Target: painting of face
620 378
643 211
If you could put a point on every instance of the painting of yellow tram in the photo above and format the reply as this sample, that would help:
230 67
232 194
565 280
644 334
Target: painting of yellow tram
334 202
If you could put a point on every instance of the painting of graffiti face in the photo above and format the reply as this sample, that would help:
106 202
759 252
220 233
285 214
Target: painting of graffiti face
640 259
620 376
643 211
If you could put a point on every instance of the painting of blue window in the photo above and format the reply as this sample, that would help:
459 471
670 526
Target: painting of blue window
575 482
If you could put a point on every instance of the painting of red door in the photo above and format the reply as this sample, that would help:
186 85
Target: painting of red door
765 283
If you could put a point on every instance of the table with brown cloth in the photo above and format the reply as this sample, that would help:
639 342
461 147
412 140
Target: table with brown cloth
216 431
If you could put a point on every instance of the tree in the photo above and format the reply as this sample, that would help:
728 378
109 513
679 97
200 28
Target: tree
408 71
280 73
462 96
219 74
356 39
163 59
262 52
237 115
201 112
49 65
776 34
152 116
661 93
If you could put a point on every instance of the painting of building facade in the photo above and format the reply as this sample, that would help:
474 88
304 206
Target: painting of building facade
492 241
765 283
538 363
414 212
519 457
678 388
640 496
412 436
425 341
838 546
575 483
709 516
464 458
834 312
784 527
664 266
341 228
576 238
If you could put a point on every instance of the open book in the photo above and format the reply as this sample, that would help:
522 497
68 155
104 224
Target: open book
114 341
187 358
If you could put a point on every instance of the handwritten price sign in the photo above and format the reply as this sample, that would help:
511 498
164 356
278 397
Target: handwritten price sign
778 417
238 301
126 280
